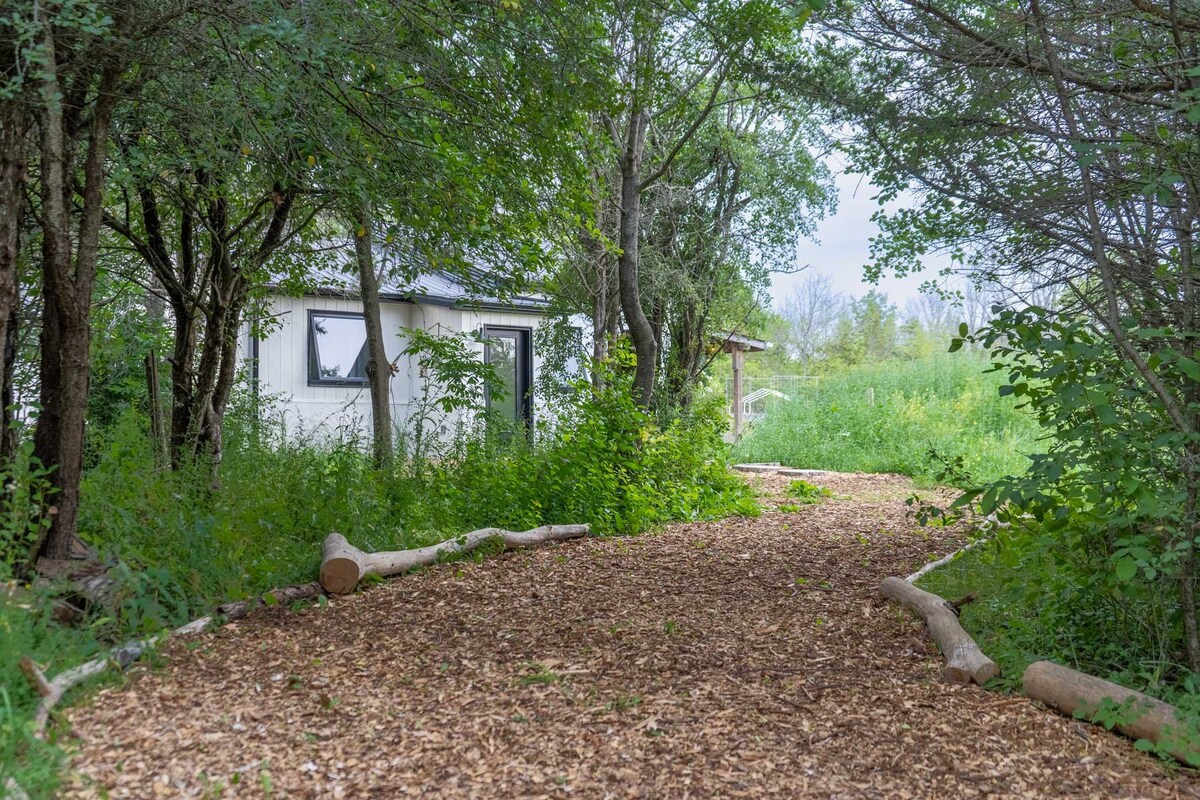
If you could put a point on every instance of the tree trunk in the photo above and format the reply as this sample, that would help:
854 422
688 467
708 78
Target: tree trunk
69 260
13 154
641 332
599 332
379 369
183 352
158 429
1187 567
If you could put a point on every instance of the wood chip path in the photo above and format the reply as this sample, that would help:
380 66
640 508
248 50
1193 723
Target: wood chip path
743 658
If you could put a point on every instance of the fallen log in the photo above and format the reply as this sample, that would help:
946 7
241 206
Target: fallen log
288 594
1137 715
343 565
52 691
965 662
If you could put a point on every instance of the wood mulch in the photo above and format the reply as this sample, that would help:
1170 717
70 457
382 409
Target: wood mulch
744 658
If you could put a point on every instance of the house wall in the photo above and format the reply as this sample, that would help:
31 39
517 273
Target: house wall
327 411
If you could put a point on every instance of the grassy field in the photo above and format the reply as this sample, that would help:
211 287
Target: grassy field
902 417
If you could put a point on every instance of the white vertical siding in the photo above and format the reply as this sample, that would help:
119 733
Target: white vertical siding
323 410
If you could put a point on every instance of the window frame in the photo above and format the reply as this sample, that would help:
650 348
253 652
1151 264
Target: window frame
524 342
313 366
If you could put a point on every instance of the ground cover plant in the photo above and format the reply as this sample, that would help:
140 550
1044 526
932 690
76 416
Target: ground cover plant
905 417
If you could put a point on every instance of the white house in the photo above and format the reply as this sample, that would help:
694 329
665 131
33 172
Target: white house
312 359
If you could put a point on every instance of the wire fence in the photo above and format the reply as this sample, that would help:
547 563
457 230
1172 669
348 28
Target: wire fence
759 393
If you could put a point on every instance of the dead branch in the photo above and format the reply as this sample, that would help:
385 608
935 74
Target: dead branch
288 594
931 566
52 691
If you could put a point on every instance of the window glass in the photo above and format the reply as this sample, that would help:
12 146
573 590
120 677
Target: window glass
338 349
510 352
502 355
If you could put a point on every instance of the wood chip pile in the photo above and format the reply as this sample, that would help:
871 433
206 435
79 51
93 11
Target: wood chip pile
745 658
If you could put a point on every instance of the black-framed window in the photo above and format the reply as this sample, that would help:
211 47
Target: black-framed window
510 352
337 348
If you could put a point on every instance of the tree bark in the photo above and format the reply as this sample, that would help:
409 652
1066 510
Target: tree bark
158 429
641 332
69 258
379 369
965 662
343 566
13 159
1141 716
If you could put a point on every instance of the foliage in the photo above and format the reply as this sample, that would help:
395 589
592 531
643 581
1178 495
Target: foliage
1029 173
889 417
1109 497
453 379
24 494
807 493
604 462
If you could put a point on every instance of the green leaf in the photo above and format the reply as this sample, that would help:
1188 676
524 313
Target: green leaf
1126 569
1189 367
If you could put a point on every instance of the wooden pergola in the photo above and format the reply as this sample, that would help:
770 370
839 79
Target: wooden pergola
737 345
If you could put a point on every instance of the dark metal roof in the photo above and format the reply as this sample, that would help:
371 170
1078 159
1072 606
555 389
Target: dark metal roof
333 273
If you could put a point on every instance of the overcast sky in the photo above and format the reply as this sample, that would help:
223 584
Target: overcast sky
843 248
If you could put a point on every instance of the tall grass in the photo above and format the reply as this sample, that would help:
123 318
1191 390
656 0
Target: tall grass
901 417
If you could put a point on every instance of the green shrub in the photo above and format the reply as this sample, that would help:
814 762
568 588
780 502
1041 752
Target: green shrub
23 494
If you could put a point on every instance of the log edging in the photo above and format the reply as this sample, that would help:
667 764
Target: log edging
965 662
387 563
343 565
1137 716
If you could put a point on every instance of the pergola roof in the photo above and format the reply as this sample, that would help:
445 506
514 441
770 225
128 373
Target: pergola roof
736 341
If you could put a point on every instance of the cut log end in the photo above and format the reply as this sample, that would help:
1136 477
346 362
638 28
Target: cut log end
340 574
341 565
